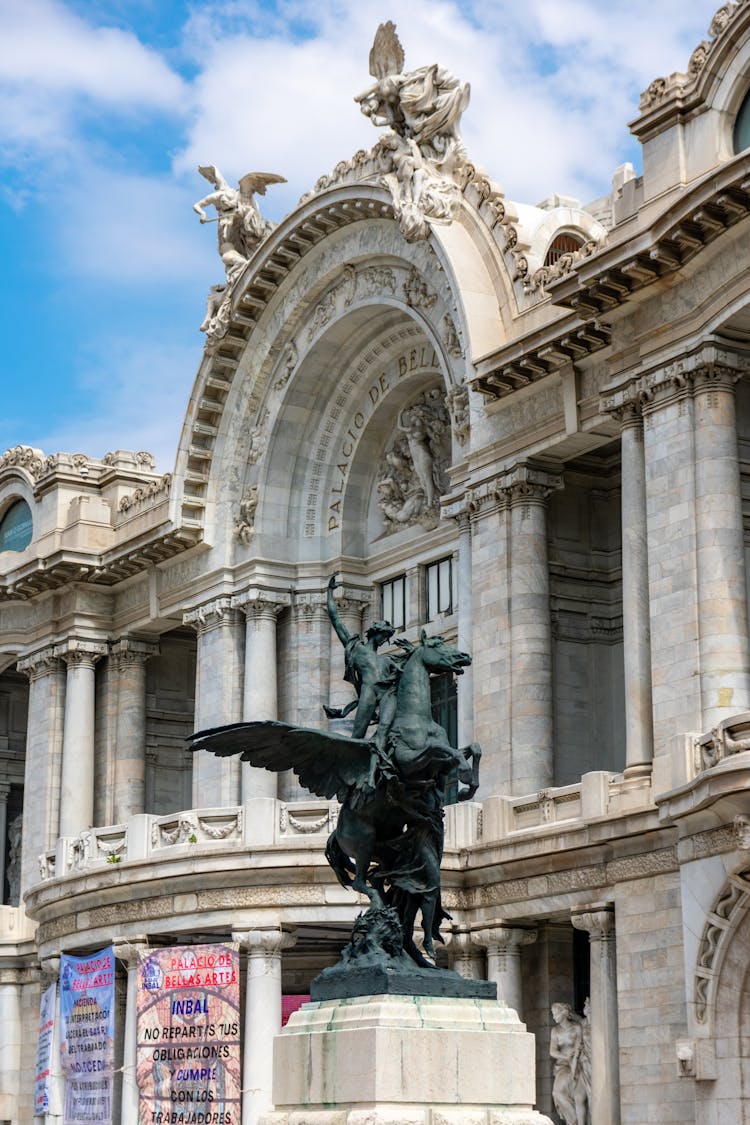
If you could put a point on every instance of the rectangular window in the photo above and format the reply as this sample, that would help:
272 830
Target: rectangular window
393 601
439 588
444 702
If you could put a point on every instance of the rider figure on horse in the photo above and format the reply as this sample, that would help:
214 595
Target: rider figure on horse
375 678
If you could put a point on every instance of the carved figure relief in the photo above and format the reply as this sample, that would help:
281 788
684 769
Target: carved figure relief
291 359
15 832
571 1091
457 398
413 473
417 292
244 523
258 439
450 337
423 110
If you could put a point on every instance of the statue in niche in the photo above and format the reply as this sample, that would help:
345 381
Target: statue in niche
423 110
15 834
241 226
457 398
570 1090
388 840
412 475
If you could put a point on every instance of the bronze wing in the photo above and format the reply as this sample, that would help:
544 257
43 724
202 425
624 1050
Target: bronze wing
327 764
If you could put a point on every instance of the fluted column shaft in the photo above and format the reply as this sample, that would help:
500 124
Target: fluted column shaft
503 945
259 699
218 697
636 626
722 594
262 1016
530 633
77 784
46 673
465 685
129 659
605 1055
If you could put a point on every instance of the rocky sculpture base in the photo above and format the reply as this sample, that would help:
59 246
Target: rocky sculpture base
408 1060
374 963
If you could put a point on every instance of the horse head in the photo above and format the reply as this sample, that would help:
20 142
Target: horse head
438 656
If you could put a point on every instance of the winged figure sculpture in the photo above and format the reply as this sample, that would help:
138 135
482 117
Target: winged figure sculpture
241 227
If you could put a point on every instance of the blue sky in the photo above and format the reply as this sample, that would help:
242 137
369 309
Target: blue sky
110 105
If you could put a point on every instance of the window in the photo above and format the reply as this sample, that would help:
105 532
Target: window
393 601
16 527
742 126
562 244
439 588
444 701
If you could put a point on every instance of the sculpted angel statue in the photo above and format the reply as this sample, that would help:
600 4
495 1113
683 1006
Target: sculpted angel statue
241 225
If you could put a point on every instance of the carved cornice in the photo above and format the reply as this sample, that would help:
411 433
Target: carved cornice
525 484
84 653
710 367
211 615
260 604
45 662
126 651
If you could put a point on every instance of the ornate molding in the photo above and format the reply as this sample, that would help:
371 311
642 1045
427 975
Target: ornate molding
598 922
81 652
154 489
265 943
42 663
24 457
210 615
261 604
126 651
729 906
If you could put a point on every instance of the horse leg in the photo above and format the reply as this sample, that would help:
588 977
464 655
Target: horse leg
356 838
468 773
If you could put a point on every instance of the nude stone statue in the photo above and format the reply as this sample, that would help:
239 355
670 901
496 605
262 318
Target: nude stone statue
569 1092
241 227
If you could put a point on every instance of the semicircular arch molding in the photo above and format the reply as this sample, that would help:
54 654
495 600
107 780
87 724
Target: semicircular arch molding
365 268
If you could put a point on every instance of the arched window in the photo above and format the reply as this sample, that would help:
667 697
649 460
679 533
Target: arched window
564 243
742 126
16 527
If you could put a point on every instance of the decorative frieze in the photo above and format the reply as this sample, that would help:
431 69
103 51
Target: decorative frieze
210 615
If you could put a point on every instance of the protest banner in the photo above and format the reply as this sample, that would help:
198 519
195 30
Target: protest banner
43 1064
87 1036
188 1039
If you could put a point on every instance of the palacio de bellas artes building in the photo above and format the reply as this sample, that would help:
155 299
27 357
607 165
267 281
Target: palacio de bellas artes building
523 428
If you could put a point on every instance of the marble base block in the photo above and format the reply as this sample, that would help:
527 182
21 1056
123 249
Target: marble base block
396 1060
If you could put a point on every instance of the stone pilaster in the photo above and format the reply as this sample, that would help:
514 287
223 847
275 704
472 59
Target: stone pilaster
465 955
77 784
465 595
129 953
311 640
218 697
10 1043
527 491
44 733
599 922
262 1015
636 624
260 700
129 658
503 945
720 553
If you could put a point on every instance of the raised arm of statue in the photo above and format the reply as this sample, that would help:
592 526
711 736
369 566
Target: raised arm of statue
342 632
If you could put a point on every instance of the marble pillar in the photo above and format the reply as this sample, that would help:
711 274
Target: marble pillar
129 658
44 732
218 697
4 793
262 1015
50 973
720 562
503 945
599 922
530 631
465 685
129 952
259 699
77 782
636 625
10 1044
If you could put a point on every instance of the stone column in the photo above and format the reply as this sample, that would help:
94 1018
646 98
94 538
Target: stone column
530 631
218 697
129 658
41 826
605 1054
464 589
465 955
50 973
129 953
262 1016
10 1044
503 945
721 583
260 682
351 605
4 792
636 625
77 784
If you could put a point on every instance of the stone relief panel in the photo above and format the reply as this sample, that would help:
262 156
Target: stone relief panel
412 475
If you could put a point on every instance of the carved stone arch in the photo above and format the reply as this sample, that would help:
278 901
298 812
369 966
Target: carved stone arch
724 921
362 279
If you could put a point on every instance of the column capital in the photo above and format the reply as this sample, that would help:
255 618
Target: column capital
598 920
40 663
310 605
50 967
130 951
265 942
257 603
127 650
498 936
4 790
525 484
81 652
211 615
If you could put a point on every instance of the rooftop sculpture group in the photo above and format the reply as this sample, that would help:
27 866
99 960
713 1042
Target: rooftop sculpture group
388 842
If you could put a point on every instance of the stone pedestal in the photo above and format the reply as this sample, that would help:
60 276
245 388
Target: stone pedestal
413 1060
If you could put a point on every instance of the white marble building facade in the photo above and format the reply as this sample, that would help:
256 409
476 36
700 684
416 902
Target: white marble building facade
525 428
